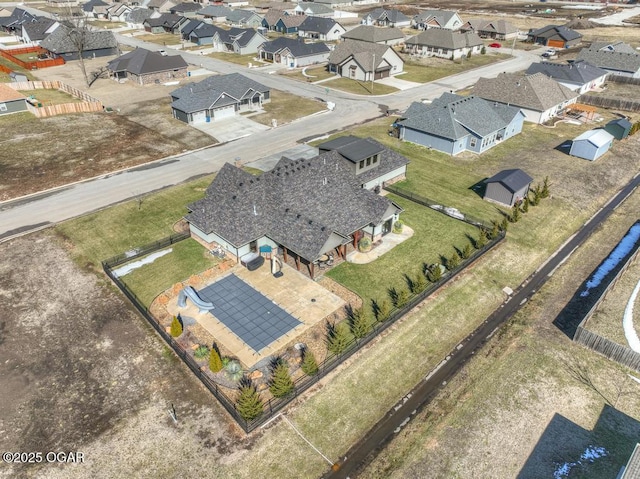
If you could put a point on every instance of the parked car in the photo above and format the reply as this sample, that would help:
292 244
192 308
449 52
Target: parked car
495 45
549 53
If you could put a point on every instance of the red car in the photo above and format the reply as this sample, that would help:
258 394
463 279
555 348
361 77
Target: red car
495 45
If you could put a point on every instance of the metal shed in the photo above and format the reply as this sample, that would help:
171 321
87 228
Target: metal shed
507 187
619 128
592 144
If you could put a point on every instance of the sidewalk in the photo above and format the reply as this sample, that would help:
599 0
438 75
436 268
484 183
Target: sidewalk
389 241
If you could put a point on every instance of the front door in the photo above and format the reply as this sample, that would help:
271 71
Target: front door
386 226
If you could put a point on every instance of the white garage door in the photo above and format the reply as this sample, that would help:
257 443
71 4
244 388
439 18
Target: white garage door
224 112
199 117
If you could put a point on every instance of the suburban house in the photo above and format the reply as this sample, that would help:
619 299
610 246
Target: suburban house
320 28
280 21
437 19
617 58
13 23
495 29
244 18
214 13
161 6
305 208
88 7
579 76
145 67
592 144
386 18
137 16
619 128
242 41
60 43
335 3
453 124
187 9
293 52
201 33
557 36
118 12
313 9
217 97
507 187
165 23
372 34
235 3
36 31
364 61
438 42
11 101
540 97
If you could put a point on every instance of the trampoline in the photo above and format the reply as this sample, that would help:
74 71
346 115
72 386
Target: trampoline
250 315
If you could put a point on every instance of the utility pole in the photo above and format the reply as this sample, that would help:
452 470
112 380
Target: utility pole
373 73
513 45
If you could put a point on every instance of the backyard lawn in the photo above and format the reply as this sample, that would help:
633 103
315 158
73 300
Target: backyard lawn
4 77
315 74
243 60
50 96
358 87
285 107
160 38
429 69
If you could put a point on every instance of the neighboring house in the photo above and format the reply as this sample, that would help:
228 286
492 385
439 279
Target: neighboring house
293 53
320 28
364 61
235 3
137 16
215 13
35 32
13 23
165 23
161 6
280 21
507 187
305 207
438 42
592 144
386 18
335 3
145 67
217 97
437 19
313 9
61 43
242 41
244 18
87 7
495 29
619 128
617 58
118 12
453 124
190 25
540 97
371 34
557 36
11 101
186 9
202 33
579 76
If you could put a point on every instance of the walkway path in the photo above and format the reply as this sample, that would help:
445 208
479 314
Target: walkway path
627 322
617 18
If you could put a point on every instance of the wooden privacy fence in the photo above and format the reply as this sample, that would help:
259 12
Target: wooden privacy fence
88 104
46 111
31 65
622 79
608 102
54 85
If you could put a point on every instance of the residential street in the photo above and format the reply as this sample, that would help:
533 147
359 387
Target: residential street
30 213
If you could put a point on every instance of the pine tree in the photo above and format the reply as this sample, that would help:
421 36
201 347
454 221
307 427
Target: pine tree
515 214
249 404
434 273
309 364
482 240
419 284
525 205
545 188
382 310
215 361
402 297
337 338
281 384
360 322
495 229
466 251
505 224
176 327
453 261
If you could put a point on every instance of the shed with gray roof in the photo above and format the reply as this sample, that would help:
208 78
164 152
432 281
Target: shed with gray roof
507 187
591 144
619 128
145 67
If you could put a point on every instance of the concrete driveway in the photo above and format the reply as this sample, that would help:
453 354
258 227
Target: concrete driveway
398 82
231 128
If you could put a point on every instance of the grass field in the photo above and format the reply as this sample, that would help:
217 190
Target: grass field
243 60
160 38
13 67
49 96
316 74
358 87
285 107
423 70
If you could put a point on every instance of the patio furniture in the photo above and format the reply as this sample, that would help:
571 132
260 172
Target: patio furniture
252 261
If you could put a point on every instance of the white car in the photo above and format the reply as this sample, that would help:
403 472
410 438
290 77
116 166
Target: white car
549 53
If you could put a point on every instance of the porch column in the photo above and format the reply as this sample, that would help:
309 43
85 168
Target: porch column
298 262
311 269
284 253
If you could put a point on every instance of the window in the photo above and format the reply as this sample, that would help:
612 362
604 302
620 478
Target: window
369 161
361 164
3 107
375 159
472 143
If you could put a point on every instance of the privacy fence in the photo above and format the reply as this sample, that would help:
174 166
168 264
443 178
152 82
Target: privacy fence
87 104
31 64
272 406
610 102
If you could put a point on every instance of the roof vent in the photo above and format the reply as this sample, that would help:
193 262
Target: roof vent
298 216
310 221
233 197
286 210
240 184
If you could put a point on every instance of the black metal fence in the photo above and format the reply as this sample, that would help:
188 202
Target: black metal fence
145 250
273 405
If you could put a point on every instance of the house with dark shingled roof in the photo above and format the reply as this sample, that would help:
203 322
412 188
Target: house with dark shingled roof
557 36
579 76
364 61
293 52
306 208
442 43
145 67
60 43
320 28
617 58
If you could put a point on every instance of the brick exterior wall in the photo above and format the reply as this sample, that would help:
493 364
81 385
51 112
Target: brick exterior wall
162 77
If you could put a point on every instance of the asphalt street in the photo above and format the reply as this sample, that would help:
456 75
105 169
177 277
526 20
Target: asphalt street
422 394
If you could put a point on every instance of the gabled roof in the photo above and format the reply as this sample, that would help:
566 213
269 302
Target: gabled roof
88 6
18 16
315 8
365 51
61 41
272 16
621 122
442 17
241 36
240 16
291 21
453 116
215 11
296 46
393 15
318 24
159 3
168 20
444 38
138 15
535 92
9 94
189 26
38 29
500 26
353 148
579 71
240 207
186 7
203 30
143 62
620 47
563 32
513 180
611 60
598 137
373 34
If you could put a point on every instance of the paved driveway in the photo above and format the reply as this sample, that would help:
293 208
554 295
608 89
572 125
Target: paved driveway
231 128
398 82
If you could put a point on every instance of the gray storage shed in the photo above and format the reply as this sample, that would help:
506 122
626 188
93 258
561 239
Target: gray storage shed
507 187
592 144
619 128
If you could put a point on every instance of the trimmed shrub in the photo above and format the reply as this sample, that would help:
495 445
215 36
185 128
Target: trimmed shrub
215 362
364 244
176 327
465 253
309 364
249 405
233 370
453 261
483 51
397 227
360 322
381 310
281 384
337 338
201 352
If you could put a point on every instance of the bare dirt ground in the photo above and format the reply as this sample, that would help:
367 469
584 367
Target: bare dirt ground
82 372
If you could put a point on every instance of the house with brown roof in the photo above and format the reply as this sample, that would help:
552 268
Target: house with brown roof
495 29
364 61
373 34
538 96
437 19
11 101
438 42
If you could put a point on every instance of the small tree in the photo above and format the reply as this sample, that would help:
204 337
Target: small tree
483 51
515 214
381 310
402 297
281 384
337 338
215 361
525 205
419 283
504 225
537 195
482 240
309 364
465 253
544 193
249 405
434 273
469 54
360 322
176 327
453 261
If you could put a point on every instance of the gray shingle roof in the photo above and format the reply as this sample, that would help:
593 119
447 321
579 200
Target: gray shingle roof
440 16
299 204
373 34
552 30
139 15
393 15
535 92
215 11
579 72
443 38
37 30
316 8
142 62
500 26
363 52
167 20
454 117
513 180
317 24
240 16
18 16
186 7
296 46
614 47
353 148
60 40
611 60
88 6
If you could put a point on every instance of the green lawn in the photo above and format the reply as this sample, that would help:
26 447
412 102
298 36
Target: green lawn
435 234
187 257
431 69
49 96
317 73
112 231
285 107
16 68
243 60
358 87
106 24
27 57
161 38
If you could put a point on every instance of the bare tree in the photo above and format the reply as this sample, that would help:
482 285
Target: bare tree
79 34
